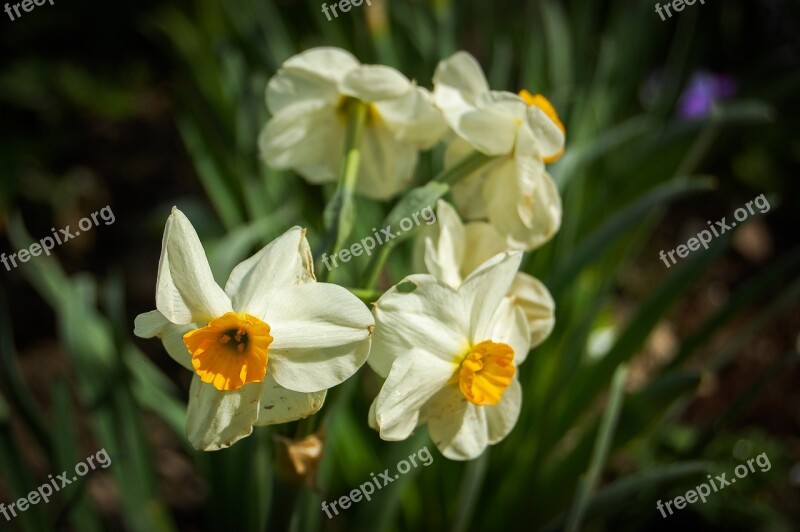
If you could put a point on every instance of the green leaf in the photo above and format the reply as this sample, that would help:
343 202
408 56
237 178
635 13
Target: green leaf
20 395
619 224
471 484
612 498
217 187
600 451
66 456
16 477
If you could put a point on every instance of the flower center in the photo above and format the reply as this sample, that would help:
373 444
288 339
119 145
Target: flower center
485 372
230 351
343 108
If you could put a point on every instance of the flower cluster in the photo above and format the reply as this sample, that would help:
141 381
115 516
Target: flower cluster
448 341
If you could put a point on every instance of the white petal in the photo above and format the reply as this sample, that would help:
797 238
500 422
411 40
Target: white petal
462 72
312 74
536 302
506 102
539 207
283 263
279 405
149 324
413 118
482 118
154 324
413 379
485 288
445 252
468 192
317 369
502 417
372 83
457 427
527 144
549 137
372 420
216 420
304 134
317 315
419 312
510 327
490 130
484 242
523 202
186 291
387 164
321 336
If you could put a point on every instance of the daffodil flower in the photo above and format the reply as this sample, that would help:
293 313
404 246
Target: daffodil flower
450 358
453 250
264 349
522 131
308 99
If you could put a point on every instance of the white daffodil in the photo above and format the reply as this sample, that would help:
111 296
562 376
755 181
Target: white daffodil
449 357
453 250
308 99
513 192
266 348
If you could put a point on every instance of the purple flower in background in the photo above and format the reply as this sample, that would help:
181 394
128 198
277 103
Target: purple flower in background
702 91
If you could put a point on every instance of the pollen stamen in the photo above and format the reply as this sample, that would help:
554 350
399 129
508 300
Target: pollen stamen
225 364
485 372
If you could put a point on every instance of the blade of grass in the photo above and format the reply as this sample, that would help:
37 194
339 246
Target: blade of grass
20 395
471 483
619 224
600 452
627 490
66 456
16 476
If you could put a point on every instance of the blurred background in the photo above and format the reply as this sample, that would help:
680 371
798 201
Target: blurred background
670 124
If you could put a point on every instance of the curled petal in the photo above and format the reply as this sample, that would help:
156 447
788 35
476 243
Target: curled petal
186 291
283 263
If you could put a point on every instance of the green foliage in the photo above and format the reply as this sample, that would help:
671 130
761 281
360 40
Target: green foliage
626 165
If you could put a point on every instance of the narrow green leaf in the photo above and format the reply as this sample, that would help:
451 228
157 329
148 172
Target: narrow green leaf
16 476
20 395
619 224
66 456
600 452
471 484
610 499
217 187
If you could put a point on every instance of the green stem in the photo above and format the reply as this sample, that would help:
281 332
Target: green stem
449 176
339 213
366 295
462 168
376 265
